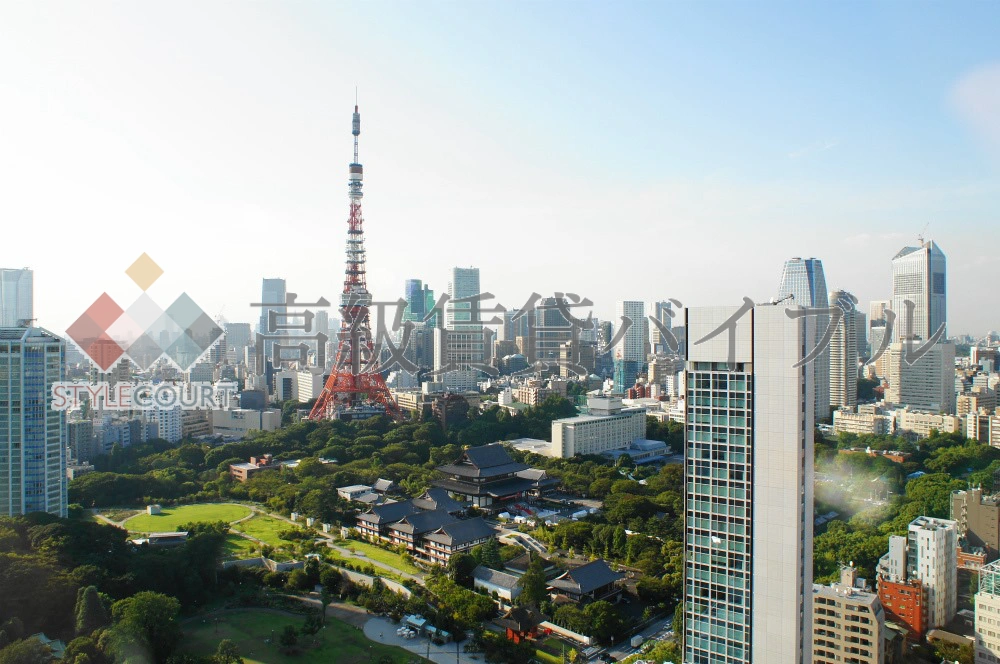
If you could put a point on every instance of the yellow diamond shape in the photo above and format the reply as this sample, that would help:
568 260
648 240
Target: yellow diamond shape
144 271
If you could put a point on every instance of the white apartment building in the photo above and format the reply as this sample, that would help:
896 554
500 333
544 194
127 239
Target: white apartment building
168 423
749 488
609 426
867 419
922 424
631 347
987 608
932 556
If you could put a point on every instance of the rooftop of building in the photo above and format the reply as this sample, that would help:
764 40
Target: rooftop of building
486 461
462 532
493 577
586 578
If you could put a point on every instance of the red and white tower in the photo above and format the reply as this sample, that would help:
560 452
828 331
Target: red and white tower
355 387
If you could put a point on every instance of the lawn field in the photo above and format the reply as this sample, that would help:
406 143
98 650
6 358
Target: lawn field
251 629
389 558
265 528
240 547
172 517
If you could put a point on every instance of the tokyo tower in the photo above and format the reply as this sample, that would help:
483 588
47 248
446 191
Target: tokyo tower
355 388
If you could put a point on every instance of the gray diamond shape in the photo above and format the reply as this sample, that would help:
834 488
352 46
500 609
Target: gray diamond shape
165 331
184 352
204 332
144 351
184 311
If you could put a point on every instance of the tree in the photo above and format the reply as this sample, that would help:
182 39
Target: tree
228 653
534 587
489 555
460 567
90 612
289 637
28 651
606 623
313 623
298 580
145 627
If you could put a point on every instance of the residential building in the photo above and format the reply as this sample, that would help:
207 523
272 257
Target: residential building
17 307
196 423
80 440
978 520
866 419
608 426
926 383
922 424
804 280
848 622
984 427
32 432
917 578
748 487
919 293
986 604
844 352
976 399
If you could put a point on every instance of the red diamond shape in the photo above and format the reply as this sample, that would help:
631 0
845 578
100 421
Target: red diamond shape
104 311
84 331
104 352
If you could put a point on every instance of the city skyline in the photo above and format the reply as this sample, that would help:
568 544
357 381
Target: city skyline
132 147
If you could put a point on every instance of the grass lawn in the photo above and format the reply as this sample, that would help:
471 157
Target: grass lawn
265 528
389 558
240 547
250 629
172 517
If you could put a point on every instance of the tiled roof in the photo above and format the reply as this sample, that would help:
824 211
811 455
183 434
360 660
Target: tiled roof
462 532
422 522
493 577
586 578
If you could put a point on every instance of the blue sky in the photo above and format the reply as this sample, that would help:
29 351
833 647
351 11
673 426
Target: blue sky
618 150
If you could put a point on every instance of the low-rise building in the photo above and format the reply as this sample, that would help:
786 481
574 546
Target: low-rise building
354 492
866 419
642 451
241 472
489 478
608 426
923 423
239 422
587 583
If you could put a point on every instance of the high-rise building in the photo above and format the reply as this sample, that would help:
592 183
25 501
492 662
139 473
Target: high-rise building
461 350
272 314
927 383
663 312
876 310
630 351
552 332
848 622
918 276
238 337
804 280
748 488
844 353
32 433
16 297
416 300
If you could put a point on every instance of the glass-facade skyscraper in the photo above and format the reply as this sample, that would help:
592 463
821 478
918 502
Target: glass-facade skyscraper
919 276
803 279
748 488
32 433
630 351
16 297
273 299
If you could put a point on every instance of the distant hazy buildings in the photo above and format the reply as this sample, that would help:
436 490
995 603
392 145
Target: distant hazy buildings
32 433
461 349
664 313
749 446
272 314
803 279
16 297
918 276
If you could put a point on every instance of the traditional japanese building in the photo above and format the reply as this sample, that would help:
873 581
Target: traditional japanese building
489 478
587 583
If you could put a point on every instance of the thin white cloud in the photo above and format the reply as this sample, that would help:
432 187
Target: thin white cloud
814 148
976 98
